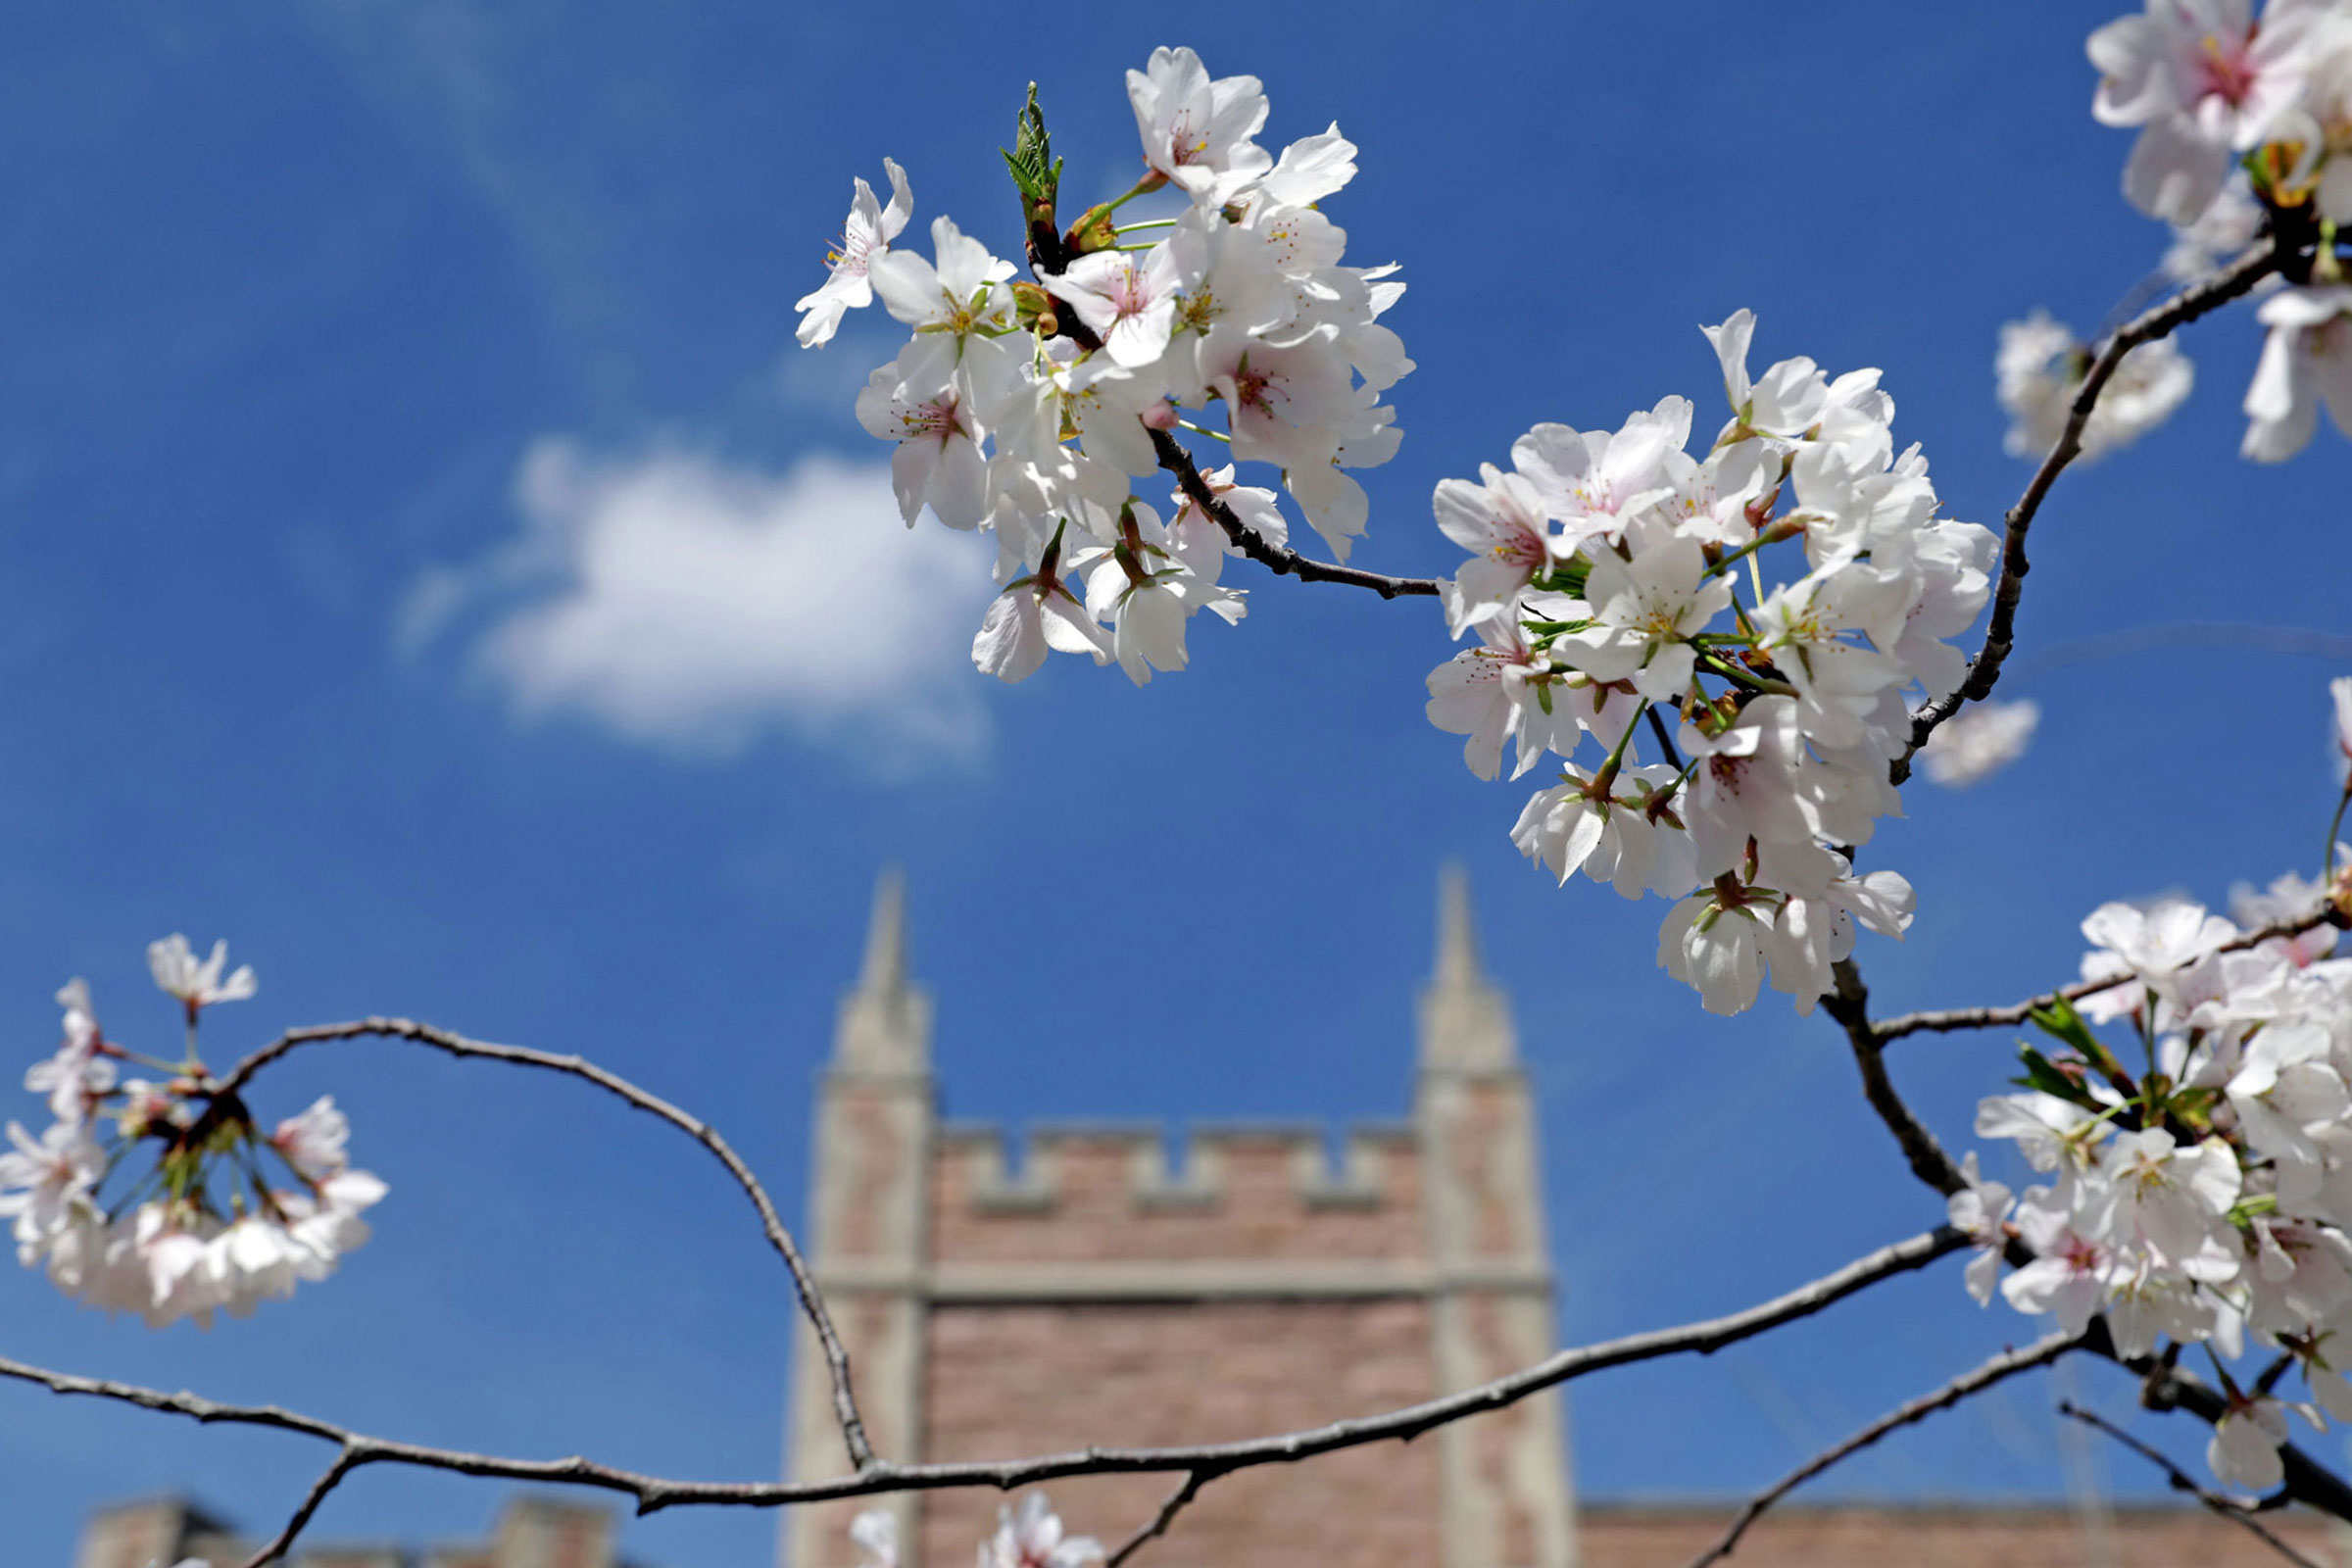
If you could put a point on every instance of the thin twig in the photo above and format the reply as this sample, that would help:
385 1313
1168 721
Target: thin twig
2001 631
328 1481
1849 1006
1947 1019
2005 1365
837 1360
1209 1460
1168 1510
1280 560
2235 1512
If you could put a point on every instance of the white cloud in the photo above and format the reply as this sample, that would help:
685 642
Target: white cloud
690 604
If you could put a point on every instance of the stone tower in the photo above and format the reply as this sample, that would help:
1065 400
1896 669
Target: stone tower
1097 1290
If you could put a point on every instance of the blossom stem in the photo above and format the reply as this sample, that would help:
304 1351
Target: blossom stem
1767 536
1748 678
1606 779
1202 429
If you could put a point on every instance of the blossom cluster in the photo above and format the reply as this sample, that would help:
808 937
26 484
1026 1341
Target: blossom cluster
1737 738
1031 409
2246 123
200 1228
1032 1537
2207 1195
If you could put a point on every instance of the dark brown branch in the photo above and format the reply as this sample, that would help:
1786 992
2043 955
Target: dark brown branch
837 1360
1158 1525
1050 253
1205 1460
1849 1006
2007 1364
1951 1018
1280 560
2001 631
329 1480
2235 1512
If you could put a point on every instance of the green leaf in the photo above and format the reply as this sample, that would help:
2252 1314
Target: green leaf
2043 1074
2061 1022
1036 172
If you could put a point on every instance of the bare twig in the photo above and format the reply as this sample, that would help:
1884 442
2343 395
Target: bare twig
329 1478
2231 282
1849 1006
2235 1512
837 1360
1158 1526
1952 1018
2007 1364
1280 560
1206 1461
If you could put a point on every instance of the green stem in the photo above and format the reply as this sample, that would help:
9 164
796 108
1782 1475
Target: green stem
1749 678
1148 223
1202 429
1604 780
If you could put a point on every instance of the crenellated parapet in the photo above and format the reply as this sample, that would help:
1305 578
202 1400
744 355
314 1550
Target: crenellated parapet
989 1171
1211 1281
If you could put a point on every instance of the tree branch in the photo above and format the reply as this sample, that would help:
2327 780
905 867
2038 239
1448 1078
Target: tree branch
2306 1481
837 1360
2001 631
1849 1006
1953 1019
2235 1512
2007 1364
332 1477
1158 1525
1280 560
1204 1461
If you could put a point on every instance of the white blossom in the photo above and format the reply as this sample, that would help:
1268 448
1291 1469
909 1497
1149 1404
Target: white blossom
1979 741
865 235
2306 362
1195 130
1033 1538
2203 79
179 973
2041 367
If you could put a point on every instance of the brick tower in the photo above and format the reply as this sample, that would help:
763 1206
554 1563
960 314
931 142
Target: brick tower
1102 1294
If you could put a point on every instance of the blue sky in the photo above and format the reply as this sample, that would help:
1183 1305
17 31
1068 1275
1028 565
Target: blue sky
355 352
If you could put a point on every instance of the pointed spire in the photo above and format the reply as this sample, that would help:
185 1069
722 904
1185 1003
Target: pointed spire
884 1025
885 970
1457 932
1466 1019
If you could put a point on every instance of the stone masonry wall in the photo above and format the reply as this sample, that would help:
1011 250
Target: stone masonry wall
1035 1379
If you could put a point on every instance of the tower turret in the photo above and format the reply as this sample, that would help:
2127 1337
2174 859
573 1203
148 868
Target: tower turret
868 1229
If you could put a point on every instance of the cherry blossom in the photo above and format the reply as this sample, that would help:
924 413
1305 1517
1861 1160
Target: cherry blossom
2203 79
1033 1538
197 985
2041 367
1196 132
1979 741
864 236
1127 301
199 1226
875 1532
2306 360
